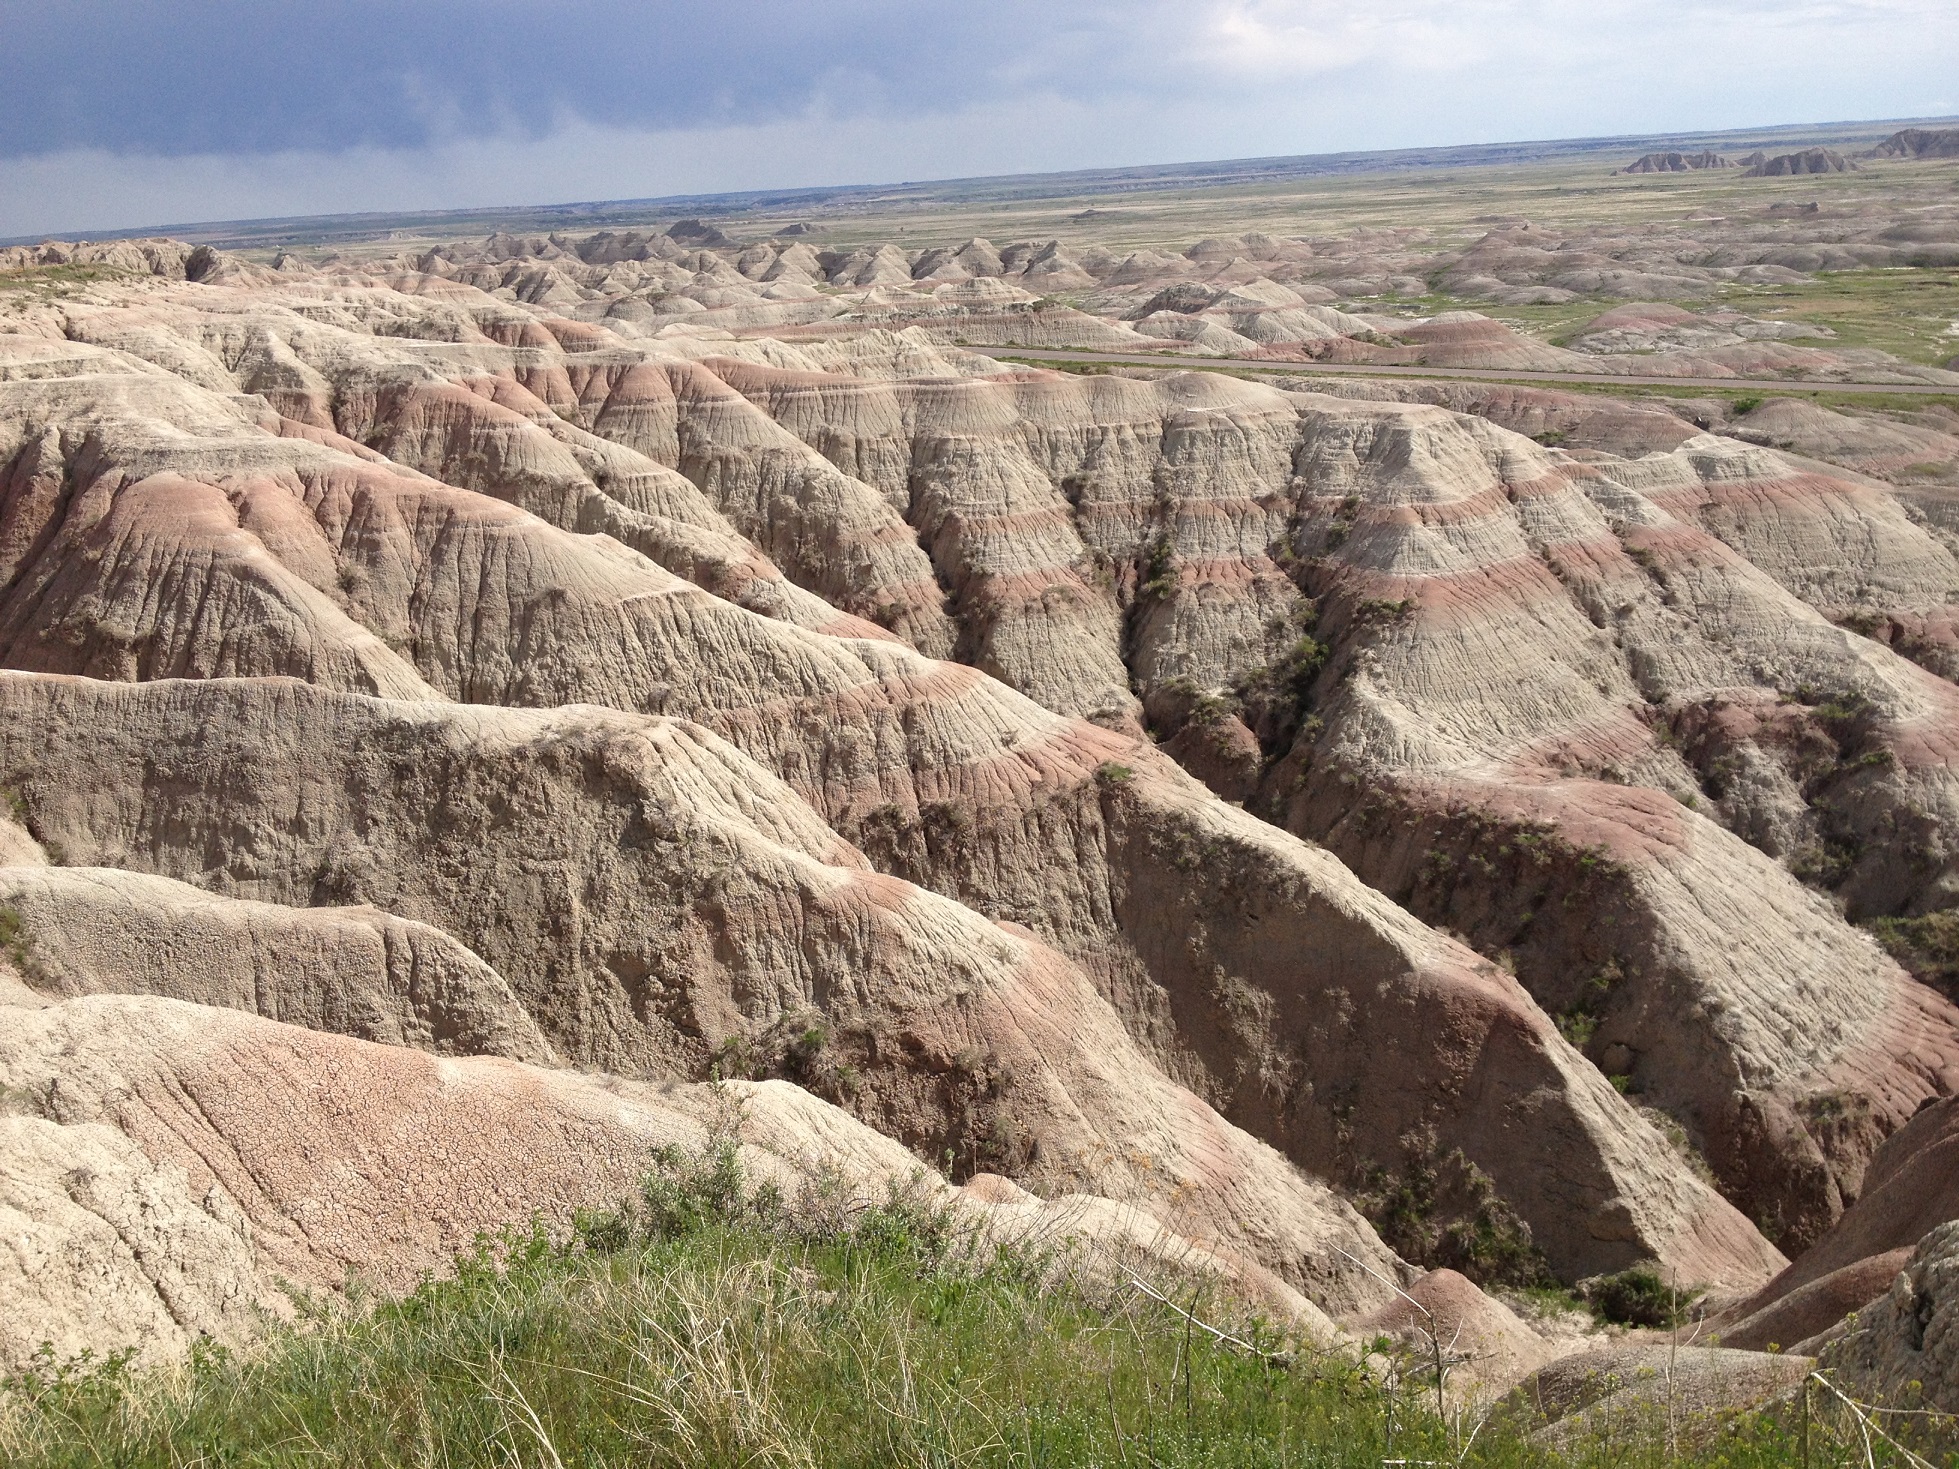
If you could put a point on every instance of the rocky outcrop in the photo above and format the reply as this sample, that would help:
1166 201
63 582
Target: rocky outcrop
1910 1190
1919 143
351 971
1684 1393
1806 1317
1425 670
108 1251
490 654
1212 619
1903 1351
170 1172
601 910
1486 1347
154 257
1809 160
1253 295
1572 421
1674 161
1211 613
492 604
623 788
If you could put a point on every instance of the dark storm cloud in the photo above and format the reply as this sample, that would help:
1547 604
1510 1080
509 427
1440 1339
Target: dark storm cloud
234 76
120 113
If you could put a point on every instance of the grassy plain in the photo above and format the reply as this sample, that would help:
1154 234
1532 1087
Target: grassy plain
1912 313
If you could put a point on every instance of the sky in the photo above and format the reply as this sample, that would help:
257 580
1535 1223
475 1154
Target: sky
122 113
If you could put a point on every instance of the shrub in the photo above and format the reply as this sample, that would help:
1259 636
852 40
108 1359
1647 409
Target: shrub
15 945
685 1192
1441 1210
1635 1297
1159 566
1927 946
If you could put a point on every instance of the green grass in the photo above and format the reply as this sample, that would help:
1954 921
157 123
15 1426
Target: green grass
16 945
1928 946
710 1324
1905 311
27 277
1746 394
1555 324
1749 394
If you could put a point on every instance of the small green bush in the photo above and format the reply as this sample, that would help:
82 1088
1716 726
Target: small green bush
1635 1297
1928 946
1159 571
15 946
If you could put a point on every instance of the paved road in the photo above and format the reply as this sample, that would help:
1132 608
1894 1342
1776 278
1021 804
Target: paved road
1473 374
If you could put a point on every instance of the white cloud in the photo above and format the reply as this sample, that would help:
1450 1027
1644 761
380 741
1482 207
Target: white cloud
1275 39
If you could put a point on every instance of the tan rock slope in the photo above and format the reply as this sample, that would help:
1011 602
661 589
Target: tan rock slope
1910 1192
1693 1390
352 971
1554 615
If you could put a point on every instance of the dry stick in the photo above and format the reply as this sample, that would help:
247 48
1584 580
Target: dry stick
1276 1359
1866 1417
1196 1297
1444 1359
1673 1359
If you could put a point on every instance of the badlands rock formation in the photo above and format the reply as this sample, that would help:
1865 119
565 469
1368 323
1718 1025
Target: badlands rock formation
169 1172
353 971
1904 1348
1588 1396
1919 143
485 679
1675 161
1537 624
1248 296
1809 160
1911 1191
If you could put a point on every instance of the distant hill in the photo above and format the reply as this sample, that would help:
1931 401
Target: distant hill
1918 143
1810 160
853 198
1676 162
